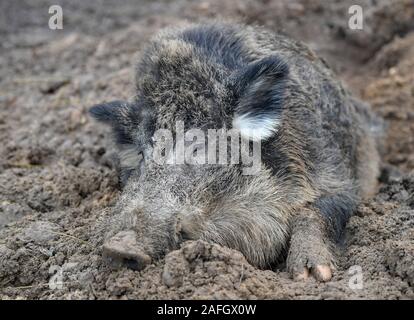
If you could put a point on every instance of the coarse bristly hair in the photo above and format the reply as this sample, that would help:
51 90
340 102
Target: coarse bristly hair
319 154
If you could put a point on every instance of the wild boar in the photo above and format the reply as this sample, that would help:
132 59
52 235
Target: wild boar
318 149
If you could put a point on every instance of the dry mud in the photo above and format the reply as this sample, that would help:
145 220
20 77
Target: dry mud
56 165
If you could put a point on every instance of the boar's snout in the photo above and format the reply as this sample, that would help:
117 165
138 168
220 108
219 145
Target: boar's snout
124 250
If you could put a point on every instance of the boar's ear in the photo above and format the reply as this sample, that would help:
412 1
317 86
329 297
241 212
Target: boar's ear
126 120
122 116
260 90
108 111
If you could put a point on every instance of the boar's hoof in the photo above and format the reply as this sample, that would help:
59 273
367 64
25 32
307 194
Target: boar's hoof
321 273
123 250
310 256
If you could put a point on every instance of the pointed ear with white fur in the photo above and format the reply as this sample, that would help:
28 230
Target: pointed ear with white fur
259 90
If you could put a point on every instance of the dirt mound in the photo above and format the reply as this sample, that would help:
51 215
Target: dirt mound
391 94
56 165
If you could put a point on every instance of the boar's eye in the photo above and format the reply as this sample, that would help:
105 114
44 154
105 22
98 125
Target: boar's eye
131 162
259 89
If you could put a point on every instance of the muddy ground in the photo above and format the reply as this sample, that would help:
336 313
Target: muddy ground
56 167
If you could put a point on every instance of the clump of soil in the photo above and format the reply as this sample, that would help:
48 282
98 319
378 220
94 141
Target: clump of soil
57 171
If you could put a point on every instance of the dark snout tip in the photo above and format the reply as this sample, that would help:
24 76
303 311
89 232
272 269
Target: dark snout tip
122 250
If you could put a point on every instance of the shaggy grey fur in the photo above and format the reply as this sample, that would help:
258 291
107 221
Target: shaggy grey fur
318 145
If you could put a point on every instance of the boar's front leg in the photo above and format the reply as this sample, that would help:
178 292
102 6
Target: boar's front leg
314 230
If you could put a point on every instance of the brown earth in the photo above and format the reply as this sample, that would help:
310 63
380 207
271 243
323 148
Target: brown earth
56 167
